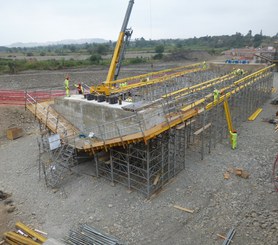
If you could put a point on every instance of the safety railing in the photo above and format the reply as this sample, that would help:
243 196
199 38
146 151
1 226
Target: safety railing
44 115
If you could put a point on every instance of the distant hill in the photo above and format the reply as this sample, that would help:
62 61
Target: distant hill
66 41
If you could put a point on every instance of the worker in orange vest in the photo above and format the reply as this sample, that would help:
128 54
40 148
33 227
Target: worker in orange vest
79 87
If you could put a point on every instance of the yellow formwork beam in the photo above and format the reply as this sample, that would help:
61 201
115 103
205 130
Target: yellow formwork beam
200 86
255 114
19 239
155 81
30 232
239 85
135 78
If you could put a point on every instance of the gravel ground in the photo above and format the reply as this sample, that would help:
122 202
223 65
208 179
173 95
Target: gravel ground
248 205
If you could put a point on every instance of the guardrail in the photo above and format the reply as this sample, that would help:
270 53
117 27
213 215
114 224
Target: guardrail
40 112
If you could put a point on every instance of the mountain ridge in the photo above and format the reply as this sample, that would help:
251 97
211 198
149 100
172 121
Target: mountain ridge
61 42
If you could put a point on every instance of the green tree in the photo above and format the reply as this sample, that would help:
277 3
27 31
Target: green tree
95 59
12 67
159 49
102 49
257 40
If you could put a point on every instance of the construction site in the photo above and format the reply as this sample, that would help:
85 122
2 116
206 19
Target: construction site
141 150
143 144
179 155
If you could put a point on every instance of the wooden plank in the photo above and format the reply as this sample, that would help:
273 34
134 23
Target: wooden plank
156 179
202 129
184 209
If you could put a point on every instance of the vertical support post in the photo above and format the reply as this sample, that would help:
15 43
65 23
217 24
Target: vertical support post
148 167
128 167
111 166
228 115
203 136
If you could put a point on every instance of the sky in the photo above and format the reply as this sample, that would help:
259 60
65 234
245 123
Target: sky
54 20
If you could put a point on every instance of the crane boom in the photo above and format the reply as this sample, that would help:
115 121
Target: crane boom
119 49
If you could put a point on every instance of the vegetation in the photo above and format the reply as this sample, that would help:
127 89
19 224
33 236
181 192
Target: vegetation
96 52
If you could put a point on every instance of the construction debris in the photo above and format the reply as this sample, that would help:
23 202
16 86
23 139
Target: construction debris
24 235
238 172
221 236
227 175
241 173
14 133
184 209
87 235
229 237
4 195
274 101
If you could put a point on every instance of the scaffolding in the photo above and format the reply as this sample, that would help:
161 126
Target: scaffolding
56 142
147 167
178 120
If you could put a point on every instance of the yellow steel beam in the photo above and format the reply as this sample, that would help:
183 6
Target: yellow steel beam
255 114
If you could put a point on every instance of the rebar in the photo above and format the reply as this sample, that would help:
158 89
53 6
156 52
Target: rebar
87 235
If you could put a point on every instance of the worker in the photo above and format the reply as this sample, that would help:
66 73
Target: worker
128 99
120 100
238 72
121 85
146 79
79 88
233 135
204 65
67 86
216 95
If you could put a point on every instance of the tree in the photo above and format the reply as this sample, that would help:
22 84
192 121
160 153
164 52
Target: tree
95 59
249 34
159 49
102 49
257 40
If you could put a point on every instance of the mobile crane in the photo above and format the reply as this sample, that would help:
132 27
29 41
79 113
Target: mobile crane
125 34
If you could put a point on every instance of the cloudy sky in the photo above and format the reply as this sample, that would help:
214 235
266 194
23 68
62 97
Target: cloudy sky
54 20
